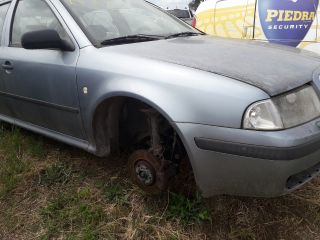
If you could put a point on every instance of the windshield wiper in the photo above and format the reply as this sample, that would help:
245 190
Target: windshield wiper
131 39
183 34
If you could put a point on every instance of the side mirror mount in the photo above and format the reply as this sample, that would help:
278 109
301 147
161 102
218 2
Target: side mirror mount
45 39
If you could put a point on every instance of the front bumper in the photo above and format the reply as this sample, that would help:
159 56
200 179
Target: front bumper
252 163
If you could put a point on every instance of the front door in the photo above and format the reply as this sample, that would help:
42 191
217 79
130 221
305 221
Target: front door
41 84
4 106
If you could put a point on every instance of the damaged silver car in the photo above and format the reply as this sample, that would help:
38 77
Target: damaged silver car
122 74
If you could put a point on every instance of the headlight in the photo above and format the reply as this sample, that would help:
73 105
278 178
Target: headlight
285 111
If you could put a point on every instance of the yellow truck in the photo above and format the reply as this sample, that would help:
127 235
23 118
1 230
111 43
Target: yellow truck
289 22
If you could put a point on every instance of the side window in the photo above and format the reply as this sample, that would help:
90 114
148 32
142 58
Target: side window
33 15
3 11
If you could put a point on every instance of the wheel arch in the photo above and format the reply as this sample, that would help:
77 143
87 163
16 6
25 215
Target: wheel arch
106 116
108 142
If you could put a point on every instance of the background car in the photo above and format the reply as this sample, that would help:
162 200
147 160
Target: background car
178 8
293 23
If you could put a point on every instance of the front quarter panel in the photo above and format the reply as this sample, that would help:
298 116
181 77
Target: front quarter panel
180 93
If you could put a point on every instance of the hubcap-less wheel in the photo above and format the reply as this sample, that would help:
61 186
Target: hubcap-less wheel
145 173
143 168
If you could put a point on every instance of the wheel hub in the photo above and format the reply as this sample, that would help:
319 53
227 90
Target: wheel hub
145 173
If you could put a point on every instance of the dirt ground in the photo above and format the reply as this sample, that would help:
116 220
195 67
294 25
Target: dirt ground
51 191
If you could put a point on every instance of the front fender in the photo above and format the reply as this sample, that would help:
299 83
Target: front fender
180 93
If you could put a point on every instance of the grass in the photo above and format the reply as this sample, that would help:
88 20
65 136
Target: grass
51 191
57 173
116 192
12 164
74 214
187 210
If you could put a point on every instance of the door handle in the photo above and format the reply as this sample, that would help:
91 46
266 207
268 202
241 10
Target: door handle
7 65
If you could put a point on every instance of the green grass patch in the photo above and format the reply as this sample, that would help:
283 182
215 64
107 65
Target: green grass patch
116 192
57 173
241 233
73 216
187 210
16 151
12 163
36 148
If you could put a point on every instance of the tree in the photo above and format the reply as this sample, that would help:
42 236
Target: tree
194 4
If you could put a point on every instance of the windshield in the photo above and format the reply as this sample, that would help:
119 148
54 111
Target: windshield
109 19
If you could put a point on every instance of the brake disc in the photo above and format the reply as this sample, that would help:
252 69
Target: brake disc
145 171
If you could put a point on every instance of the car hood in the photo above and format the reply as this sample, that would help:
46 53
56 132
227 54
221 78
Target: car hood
272 68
